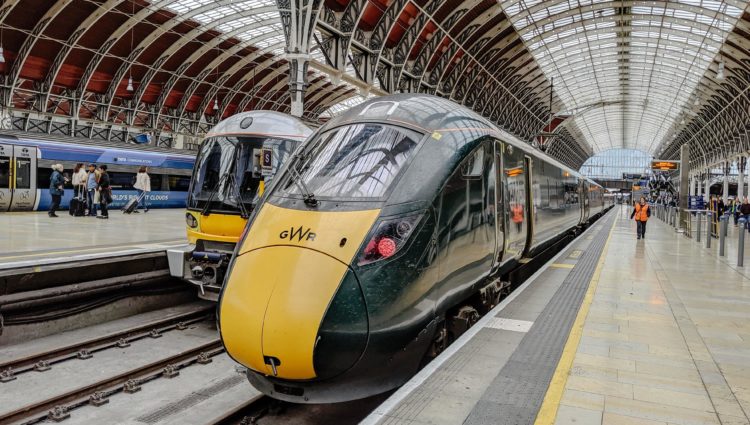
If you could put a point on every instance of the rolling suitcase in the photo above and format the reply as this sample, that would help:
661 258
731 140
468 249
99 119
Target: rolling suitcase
77 206
132 204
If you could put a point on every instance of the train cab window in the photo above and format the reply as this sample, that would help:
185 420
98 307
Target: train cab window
353 161
4 172
23 173
473 167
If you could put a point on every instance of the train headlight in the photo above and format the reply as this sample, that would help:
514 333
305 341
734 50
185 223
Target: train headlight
388 239
191 221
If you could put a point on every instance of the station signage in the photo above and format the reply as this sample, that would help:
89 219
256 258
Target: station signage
663 165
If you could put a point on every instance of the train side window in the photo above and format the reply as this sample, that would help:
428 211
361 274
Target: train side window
179 183
156 181
121 181
473 167
4 172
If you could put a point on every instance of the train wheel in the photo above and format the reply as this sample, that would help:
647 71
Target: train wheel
440 342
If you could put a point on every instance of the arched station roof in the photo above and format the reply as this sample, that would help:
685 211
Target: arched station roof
575 77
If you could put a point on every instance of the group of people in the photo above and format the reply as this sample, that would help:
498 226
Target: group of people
736 208
92 186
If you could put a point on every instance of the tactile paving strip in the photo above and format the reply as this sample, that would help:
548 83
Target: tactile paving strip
517 392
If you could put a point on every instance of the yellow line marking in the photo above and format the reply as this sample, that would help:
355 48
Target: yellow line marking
548 412
94 249
562 265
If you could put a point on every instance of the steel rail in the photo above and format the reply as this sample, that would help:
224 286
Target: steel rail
43 360
58 407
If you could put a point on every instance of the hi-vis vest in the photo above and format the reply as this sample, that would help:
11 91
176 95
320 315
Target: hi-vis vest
641 213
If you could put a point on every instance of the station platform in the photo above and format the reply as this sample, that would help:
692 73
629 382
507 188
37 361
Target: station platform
613 330
33 238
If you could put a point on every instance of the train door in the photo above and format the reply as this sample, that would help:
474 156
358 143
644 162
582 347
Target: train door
515 205
531 205
584 188
495 188
6 176
23 182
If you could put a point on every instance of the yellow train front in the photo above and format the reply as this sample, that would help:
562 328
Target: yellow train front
382 240
236 162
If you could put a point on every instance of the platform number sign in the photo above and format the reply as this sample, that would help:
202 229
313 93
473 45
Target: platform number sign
266 161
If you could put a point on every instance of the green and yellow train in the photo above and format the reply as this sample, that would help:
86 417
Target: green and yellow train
387 235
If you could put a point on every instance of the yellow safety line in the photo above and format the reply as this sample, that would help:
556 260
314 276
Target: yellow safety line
101 248
562 265
548 412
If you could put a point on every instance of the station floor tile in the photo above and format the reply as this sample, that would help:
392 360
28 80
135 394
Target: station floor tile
667 337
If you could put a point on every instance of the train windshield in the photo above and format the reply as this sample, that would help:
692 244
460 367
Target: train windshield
229 171
353 162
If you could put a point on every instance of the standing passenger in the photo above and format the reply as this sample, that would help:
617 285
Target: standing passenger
56 188
745 211
91 184
641 212
143 186
79 181
105 191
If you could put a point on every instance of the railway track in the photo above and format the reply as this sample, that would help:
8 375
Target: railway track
44 360
58 407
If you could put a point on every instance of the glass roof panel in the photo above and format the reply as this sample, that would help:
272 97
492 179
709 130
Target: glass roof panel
625 72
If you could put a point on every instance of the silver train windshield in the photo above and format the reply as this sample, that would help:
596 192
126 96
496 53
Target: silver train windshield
228 171
354 161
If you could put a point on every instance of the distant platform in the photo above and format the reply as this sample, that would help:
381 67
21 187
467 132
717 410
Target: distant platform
33 238
612 331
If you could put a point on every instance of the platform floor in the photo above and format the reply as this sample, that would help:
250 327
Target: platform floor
34 238
661 335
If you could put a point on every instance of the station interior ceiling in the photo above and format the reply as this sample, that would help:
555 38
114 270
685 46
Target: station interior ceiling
573 77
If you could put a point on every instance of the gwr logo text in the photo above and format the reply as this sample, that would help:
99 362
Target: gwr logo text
298 234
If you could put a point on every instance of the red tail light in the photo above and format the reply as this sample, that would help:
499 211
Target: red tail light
389 237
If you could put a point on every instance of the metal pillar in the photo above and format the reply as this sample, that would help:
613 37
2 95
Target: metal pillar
298 20
741 243
725 186
707 186
693 188
698 226
722 235
740 177
709 224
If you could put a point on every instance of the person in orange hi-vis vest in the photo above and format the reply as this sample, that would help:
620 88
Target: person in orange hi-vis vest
641 213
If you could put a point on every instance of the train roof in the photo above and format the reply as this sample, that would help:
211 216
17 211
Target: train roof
434 114
262 123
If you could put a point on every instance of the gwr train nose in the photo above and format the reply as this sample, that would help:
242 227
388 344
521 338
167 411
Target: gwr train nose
271 313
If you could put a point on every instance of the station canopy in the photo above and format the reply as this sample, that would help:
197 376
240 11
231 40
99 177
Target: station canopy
571 77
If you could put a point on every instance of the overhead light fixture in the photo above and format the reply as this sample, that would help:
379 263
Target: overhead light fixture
720 72
216 104
2 55
444 49
682 122
428 37
130 84
411 20
697 102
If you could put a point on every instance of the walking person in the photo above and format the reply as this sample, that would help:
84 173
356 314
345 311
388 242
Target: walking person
143 186
91 187
56 188
105 191
641 213
745 211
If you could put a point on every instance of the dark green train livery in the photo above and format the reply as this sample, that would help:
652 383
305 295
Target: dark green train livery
392 230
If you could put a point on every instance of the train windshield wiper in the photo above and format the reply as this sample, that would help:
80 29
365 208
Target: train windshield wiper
307 196
207 208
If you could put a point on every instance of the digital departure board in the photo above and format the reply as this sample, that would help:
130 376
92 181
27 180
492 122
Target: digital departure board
665 165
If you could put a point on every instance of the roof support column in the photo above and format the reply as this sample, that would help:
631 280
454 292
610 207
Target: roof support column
684 201
725 187
707 186
740 177
298 18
